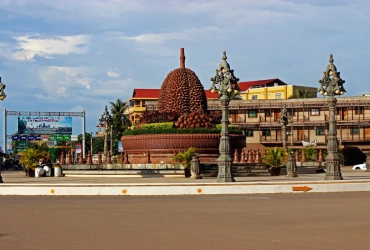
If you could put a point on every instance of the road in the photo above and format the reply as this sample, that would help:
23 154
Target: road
273 221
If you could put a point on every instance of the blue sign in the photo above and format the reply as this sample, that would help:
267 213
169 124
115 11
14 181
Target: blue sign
15 137
119 147
23 137
38 138
30 137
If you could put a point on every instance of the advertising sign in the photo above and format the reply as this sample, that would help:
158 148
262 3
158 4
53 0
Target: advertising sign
23 137
50 144
15 137
74 137
78 148
44 125
21 146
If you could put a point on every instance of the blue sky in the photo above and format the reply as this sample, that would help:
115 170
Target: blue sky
74 55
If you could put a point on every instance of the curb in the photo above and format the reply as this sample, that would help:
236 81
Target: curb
146 189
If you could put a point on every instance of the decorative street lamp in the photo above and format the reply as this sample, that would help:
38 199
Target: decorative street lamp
227 83
106 119
2 97
330 85
284 120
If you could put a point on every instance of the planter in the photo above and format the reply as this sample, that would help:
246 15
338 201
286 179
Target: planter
179 141
29 172
159 148
187 172
275 171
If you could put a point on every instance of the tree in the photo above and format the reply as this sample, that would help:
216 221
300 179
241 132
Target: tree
301 94
275 157
120 121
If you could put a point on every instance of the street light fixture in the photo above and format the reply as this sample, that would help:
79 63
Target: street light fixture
106 119
330 85
227 83
2 97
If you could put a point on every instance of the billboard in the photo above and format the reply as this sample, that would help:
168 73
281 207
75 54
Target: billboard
44 125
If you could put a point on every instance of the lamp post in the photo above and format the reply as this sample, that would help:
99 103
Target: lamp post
284 120
227 83
111 138
2 97
106 119
330 85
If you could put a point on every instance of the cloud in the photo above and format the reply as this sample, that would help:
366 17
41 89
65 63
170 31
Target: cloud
112 73
160 38
28 47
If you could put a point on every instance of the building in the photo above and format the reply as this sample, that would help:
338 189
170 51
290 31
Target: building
146 99
271 89
310 121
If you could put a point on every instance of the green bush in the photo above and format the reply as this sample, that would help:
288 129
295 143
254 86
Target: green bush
161 125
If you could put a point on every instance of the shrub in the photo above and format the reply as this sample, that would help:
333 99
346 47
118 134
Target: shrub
162 125
185 157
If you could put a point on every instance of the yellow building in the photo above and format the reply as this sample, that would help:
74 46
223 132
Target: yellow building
271 89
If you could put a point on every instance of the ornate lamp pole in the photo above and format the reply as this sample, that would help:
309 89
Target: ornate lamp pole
284 120
227 83
2 97
106 118
330 85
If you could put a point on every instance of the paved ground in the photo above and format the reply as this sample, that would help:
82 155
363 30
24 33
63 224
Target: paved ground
274 221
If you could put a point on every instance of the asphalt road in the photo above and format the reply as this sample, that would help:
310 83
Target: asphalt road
274 221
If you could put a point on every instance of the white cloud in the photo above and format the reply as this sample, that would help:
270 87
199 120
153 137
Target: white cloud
61 81
160 38
112 73
28 47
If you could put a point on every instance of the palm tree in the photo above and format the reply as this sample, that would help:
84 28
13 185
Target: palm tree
301 94
275 157
30 158
120 120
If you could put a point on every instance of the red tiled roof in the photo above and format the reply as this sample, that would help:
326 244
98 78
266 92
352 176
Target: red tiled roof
210 95
146 94
269 82
154 93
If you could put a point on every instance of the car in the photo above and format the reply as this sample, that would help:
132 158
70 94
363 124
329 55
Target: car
359 166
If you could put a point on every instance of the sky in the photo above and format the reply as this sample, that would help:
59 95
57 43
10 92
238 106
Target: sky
74 55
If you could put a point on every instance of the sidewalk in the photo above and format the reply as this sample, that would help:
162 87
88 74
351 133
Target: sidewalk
16 183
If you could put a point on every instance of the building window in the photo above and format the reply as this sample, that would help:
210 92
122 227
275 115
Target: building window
254 97
267 112
266 132
278 96
320 131
252 113
137 103
315 111
355 131
249 133
359 110
142 103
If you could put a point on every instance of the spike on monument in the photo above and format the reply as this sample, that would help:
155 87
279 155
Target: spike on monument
182 58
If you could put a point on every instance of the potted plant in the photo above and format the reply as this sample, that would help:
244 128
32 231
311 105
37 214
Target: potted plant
274 157
185 158
29 159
